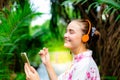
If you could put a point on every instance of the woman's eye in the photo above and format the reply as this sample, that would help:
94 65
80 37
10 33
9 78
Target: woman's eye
71 31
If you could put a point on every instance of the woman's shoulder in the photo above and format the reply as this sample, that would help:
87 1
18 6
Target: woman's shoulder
86 62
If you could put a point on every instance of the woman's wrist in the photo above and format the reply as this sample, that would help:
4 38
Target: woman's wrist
47 64
51 72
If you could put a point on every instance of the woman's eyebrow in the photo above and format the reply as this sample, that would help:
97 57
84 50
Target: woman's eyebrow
68 29
71 29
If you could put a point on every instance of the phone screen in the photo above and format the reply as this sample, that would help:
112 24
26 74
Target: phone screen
25 58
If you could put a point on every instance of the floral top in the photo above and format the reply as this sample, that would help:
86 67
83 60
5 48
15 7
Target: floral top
83 68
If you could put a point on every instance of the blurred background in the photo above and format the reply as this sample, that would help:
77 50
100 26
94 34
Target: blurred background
29 25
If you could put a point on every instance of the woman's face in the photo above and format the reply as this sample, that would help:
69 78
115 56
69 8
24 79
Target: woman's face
73 35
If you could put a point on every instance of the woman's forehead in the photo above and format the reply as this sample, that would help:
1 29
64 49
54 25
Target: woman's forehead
74 25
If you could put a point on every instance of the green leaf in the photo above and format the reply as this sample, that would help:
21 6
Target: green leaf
80 1
110 2
90 6
118 18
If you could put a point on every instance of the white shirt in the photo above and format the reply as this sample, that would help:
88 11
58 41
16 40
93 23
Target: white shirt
83 68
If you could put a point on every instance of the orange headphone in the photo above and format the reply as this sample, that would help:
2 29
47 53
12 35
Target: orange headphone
85 37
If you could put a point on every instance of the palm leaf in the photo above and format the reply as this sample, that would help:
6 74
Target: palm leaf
110 2
14 33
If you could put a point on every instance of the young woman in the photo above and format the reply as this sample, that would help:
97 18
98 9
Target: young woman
83 67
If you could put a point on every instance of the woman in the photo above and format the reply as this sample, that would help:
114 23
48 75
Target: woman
83 66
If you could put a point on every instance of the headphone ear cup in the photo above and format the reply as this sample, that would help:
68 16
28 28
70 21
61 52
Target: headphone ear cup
85 38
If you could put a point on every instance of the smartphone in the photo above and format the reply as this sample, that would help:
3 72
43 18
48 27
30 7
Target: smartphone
25 58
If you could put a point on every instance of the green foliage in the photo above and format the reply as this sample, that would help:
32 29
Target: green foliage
4 66
111 6
42 31
109 78
20 76
14 37
40 36
44 35
112 3
75 1
70 10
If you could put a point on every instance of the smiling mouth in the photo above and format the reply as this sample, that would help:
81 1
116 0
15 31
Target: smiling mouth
67 40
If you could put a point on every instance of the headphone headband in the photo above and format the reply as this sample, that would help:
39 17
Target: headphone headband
85 37
89 25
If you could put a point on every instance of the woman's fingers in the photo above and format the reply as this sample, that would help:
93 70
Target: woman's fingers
42 52
45 50
44 55
32 69
31 73
27 70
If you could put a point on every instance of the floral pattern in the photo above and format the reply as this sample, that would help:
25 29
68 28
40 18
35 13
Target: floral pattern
83 68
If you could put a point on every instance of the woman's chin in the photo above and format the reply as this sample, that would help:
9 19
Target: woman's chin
66 45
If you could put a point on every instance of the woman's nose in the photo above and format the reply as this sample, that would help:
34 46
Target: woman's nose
65 35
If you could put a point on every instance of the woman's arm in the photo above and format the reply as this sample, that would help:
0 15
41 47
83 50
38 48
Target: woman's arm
46 61
51 72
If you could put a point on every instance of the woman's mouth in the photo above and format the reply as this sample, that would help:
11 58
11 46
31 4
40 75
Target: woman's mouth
67 40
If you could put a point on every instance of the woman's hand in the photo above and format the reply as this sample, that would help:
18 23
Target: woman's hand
46 61
31 73
45 56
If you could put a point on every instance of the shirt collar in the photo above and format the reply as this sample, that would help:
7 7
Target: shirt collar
80 56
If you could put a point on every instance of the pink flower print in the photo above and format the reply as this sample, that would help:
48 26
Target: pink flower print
75 69
78 58
70 76
92 78
92 70
95 77
88 74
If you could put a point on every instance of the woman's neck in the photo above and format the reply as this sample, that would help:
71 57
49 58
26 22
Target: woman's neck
78 50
